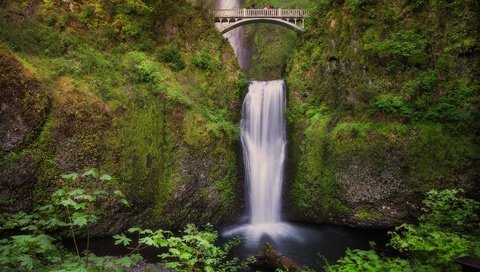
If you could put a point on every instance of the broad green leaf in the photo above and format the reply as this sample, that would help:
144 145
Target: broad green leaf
118 193
134 229
79 219
26 261
91 172
70 177
68 202
105 177
125 202
122 239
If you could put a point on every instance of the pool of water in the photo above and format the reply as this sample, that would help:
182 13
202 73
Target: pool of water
307 244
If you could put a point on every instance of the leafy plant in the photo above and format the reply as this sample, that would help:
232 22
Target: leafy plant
392 105
449 228
140 68
194 250
172 56
368 261
205 61
404 46
72 210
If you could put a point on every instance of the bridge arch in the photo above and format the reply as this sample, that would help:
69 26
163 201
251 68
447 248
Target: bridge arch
229 19
281 22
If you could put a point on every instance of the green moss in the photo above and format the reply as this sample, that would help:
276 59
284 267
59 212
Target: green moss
313 190
364 215
142 145
119 107
440 159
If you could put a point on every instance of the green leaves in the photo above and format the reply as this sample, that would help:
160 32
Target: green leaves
91 172
70 177
72 209
122 239
79 219
450 228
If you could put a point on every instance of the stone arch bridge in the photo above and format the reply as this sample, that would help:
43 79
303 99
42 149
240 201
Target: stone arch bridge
229 19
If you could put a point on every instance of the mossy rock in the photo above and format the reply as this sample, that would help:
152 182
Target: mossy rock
24 102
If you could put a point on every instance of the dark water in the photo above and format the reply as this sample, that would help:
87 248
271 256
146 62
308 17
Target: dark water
308 244
105 246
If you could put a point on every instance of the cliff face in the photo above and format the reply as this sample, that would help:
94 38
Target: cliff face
144 97
383 106
23 109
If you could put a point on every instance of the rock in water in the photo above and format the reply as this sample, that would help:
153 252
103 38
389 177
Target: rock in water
267 256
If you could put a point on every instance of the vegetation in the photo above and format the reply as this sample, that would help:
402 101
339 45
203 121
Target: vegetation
385 82
74 209
383 106
448 229
121 80
194 250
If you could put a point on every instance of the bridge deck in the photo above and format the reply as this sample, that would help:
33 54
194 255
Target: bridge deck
259 13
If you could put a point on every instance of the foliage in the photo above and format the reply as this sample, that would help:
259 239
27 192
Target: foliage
423 84
356 6
71 211
140 68
368 261
171 55
448 229
402 46
205 61
390 104
194 250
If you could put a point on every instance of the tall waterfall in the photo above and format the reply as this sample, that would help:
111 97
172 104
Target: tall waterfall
264 143
264 147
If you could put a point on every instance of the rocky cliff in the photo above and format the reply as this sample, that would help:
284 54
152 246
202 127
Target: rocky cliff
383 106
123 88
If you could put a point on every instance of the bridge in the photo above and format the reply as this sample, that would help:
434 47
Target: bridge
229 19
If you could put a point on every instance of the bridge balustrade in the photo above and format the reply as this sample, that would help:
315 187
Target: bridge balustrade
259 13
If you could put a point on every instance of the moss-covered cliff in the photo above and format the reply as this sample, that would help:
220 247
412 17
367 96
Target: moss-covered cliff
146 91
383 106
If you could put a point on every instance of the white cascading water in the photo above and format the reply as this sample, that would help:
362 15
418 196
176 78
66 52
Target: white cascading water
264 146
236 36
263 142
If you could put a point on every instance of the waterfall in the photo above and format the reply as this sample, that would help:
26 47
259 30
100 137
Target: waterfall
236 36
264 143
264 147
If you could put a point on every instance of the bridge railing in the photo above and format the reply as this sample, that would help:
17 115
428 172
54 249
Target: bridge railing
259 13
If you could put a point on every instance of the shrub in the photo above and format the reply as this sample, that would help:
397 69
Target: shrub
448 229
356 6
172 56
140 68
424 83
205 61
401 47
71 210
194 250
392 105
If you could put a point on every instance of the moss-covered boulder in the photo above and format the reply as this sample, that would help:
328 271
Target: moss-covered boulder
23 102
23 110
